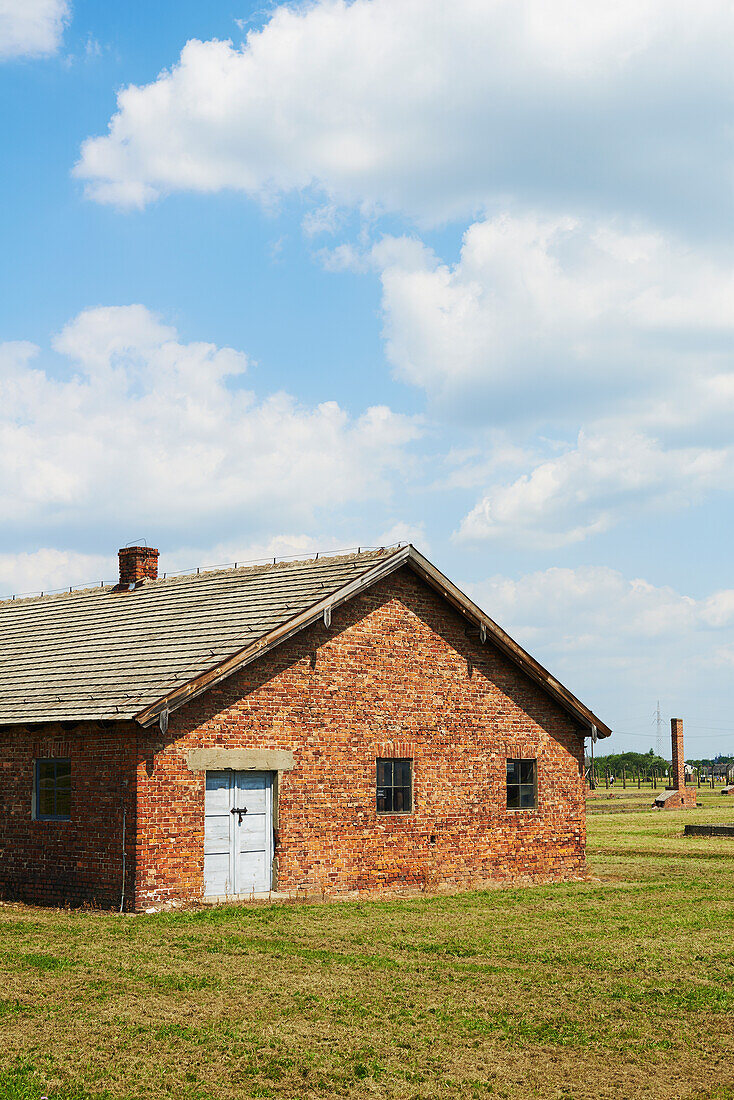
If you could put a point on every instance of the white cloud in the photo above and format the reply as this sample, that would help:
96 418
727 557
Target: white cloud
31 28
567 607
323 219
547 318
142 428
543 324
291 545
593 486
618 643
50 569
437 109
546 322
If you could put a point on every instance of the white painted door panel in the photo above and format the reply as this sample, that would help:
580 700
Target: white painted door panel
253 790
218 862
238 847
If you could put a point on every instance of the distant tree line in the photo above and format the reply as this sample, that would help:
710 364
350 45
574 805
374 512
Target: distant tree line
635 762
710 762
648 767
613 762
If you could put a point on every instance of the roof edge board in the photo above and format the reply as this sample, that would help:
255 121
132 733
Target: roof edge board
512 649
186 692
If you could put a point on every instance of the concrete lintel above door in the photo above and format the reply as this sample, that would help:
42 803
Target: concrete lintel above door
240 760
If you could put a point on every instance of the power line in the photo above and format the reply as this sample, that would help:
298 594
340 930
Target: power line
688 737
710 728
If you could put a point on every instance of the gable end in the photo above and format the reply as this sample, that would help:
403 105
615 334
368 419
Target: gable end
414 560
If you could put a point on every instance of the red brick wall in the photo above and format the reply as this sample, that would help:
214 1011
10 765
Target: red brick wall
397 674
79 861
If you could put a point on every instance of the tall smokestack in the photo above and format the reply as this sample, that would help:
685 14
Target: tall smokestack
678 778
677 796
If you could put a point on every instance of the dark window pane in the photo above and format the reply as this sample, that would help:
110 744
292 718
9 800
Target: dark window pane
384 773
63 770
384 799
63 803
512 771
46 801
527 771
513 798
46 770
399 799
402 773
527 797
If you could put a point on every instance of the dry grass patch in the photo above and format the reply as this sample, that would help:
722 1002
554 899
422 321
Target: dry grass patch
619 987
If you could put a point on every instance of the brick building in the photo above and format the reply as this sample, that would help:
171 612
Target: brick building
343 723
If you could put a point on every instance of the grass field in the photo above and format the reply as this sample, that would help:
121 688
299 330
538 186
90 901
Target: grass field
617 797
620 987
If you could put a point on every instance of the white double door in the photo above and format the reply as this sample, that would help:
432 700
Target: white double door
238 833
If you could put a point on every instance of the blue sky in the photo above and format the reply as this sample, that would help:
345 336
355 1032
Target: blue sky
283 278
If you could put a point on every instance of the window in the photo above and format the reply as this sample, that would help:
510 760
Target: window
522 784
394 786
53 790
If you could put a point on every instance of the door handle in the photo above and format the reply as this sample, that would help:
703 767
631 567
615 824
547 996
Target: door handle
236 810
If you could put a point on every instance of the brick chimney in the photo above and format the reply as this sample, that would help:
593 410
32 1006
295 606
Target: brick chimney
678 778
677 796
137 563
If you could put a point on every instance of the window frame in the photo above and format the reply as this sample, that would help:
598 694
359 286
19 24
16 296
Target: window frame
520 760
393 786
37 764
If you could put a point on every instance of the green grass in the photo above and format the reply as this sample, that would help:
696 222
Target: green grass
617 987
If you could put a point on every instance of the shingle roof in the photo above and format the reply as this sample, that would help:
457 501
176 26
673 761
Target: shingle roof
102 653
110 654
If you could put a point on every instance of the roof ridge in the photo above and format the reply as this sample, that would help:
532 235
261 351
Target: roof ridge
255 565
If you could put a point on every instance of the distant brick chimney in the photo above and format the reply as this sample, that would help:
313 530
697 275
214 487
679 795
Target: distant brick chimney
678 777
137 563
677 796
